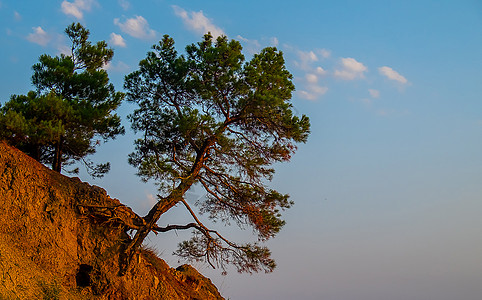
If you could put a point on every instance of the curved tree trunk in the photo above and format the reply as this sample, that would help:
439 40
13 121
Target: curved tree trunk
162 206
151 219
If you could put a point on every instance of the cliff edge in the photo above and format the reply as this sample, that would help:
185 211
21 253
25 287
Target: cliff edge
60 238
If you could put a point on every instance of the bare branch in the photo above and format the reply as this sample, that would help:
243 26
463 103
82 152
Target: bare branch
175 227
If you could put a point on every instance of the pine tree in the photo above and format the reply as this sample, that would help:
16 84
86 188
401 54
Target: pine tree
72 107
212 120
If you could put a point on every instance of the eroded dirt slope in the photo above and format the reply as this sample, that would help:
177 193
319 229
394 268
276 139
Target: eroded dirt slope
61 238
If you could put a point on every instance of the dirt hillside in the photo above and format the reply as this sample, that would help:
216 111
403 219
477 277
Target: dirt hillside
60 238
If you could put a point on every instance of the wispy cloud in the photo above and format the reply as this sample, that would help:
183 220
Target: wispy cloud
252 46
392 74
324 53
119 67
312 72
255 46
306 59
136 27
77 8
311 78
198 22
17 16
350 69
374 93
60 43
320 71
124 4
313 92
117 40
39 36
313 81
64 49
312 89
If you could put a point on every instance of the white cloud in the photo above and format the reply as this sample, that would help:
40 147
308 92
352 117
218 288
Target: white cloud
318 90
255 46
311 78
64 49
307 56
350 69
60 43
392 74
324 53
52 40
117 40
313 92
252 46
77 7
17 16
39 36
305 60
312 89
136 27
124 4
374 93
307 95
320 71
198 22
120 67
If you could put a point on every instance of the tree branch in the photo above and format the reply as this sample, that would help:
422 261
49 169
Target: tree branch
215 195
175 227
206 230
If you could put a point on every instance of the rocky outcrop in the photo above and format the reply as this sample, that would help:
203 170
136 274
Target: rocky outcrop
61 238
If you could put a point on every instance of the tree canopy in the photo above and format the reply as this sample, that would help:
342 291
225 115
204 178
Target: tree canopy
210 119
72 107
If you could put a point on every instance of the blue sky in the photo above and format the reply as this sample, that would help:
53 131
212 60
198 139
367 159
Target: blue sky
387 189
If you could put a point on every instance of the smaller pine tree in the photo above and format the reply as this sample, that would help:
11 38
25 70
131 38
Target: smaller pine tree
73 106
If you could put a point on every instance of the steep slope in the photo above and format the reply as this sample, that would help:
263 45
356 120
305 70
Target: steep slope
60 238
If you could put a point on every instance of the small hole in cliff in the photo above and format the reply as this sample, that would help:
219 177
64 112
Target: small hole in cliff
83 275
